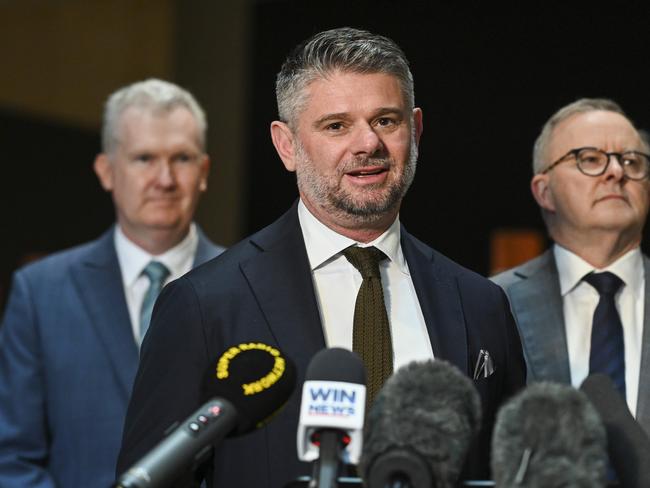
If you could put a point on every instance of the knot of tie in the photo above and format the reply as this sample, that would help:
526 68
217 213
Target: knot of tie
156 272
365 259
605 283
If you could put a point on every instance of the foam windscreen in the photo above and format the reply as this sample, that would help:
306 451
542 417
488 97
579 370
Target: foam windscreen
256 378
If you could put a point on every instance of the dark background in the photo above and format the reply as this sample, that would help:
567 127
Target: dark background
487 77
487 80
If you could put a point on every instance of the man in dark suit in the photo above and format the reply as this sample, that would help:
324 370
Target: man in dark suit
73 323
591 183
349 129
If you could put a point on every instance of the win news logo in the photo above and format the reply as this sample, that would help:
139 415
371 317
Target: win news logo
335 402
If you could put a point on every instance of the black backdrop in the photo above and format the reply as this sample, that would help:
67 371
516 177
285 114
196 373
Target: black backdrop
49 195
486 76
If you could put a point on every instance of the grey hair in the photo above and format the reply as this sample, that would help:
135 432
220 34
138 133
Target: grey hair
644 135
153 95
343 49
579 106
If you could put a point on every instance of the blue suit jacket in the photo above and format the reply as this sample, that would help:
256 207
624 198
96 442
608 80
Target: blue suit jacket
534 292
67 363
261 290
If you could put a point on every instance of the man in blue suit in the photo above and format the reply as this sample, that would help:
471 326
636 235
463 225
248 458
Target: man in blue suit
349 129
70 335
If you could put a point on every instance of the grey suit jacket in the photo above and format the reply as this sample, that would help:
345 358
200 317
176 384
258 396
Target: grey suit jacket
534 292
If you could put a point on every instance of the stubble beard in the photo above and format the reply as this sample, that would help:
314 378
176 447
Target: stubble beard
364 207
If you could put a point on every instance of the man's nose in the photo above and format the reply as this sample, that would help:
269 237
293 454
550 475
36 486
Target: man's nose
165 175
615 167
366 141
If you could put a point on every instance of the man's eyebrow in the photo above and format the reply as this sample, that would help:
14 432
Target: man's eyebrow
345 115
330 117
389 111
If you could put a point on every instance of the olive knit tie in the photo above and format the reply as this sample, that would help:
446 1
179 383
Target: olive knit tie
371 330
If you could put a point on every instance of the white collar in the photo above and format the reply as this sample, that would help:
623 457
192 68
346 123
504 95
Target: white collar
572 268
133 258
323 244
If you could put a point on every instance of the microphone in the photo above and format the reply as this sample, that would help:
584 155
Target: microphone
549 435
627 444
250 383
420 428
332 413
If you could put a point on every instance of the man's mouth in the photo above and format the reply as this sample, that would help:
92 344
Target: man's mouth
163 199
613 195
367 171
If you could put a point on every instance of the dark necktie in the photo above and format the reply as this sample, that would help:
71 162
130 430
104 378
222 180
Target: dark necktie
371 331
157 273
607 354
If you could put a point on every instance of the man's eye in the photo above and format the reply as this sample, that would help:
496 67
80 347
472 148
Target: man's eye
631 160
183 158
335 126
144 158
385 122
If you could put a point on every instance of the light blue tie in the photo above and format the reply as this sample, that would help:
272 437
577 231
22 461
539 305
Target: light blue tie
157 273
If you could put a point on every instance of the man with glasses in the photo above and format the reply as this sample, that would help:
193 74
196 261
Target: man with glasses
580 307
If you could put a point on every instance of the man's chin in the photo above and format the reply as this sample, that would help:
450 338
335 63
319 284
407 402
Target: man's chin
367 211
166 223
369 205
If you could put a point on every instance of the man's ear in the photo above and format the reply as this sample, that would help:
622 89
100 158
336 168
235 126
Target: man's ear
283 140
205 171
539 186
417 124
104 171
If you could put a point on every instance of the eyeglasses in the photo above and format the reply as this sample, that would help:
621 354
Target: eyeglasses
594 162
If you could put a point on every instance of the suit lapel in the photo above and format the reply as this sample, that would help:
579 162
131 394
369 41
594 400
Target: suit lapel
537 306
643 402
440 303
280 279
99 285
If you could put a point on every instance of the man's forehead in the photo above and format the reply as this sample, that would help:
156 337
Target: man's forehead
596 127
334 76
345 87
143 127
138 113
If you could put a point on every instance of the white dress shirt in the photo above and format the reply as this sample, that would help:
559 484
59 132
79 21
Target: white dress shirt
133 259
580 300
337 282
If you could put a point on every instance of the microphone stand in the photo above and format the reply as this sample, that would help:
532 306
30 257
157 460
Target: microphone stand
326 468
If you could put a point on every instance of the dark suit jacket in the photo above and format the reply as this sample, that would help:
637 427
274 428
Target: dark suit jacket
261 290
534 292
67 363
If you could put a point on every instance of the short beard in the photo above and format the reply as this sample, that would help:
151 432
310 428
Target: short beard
323 190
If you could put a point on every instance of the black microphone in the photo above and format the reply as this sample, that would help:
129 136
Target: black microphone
549 435
627 443
420 428
249 383
332 413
